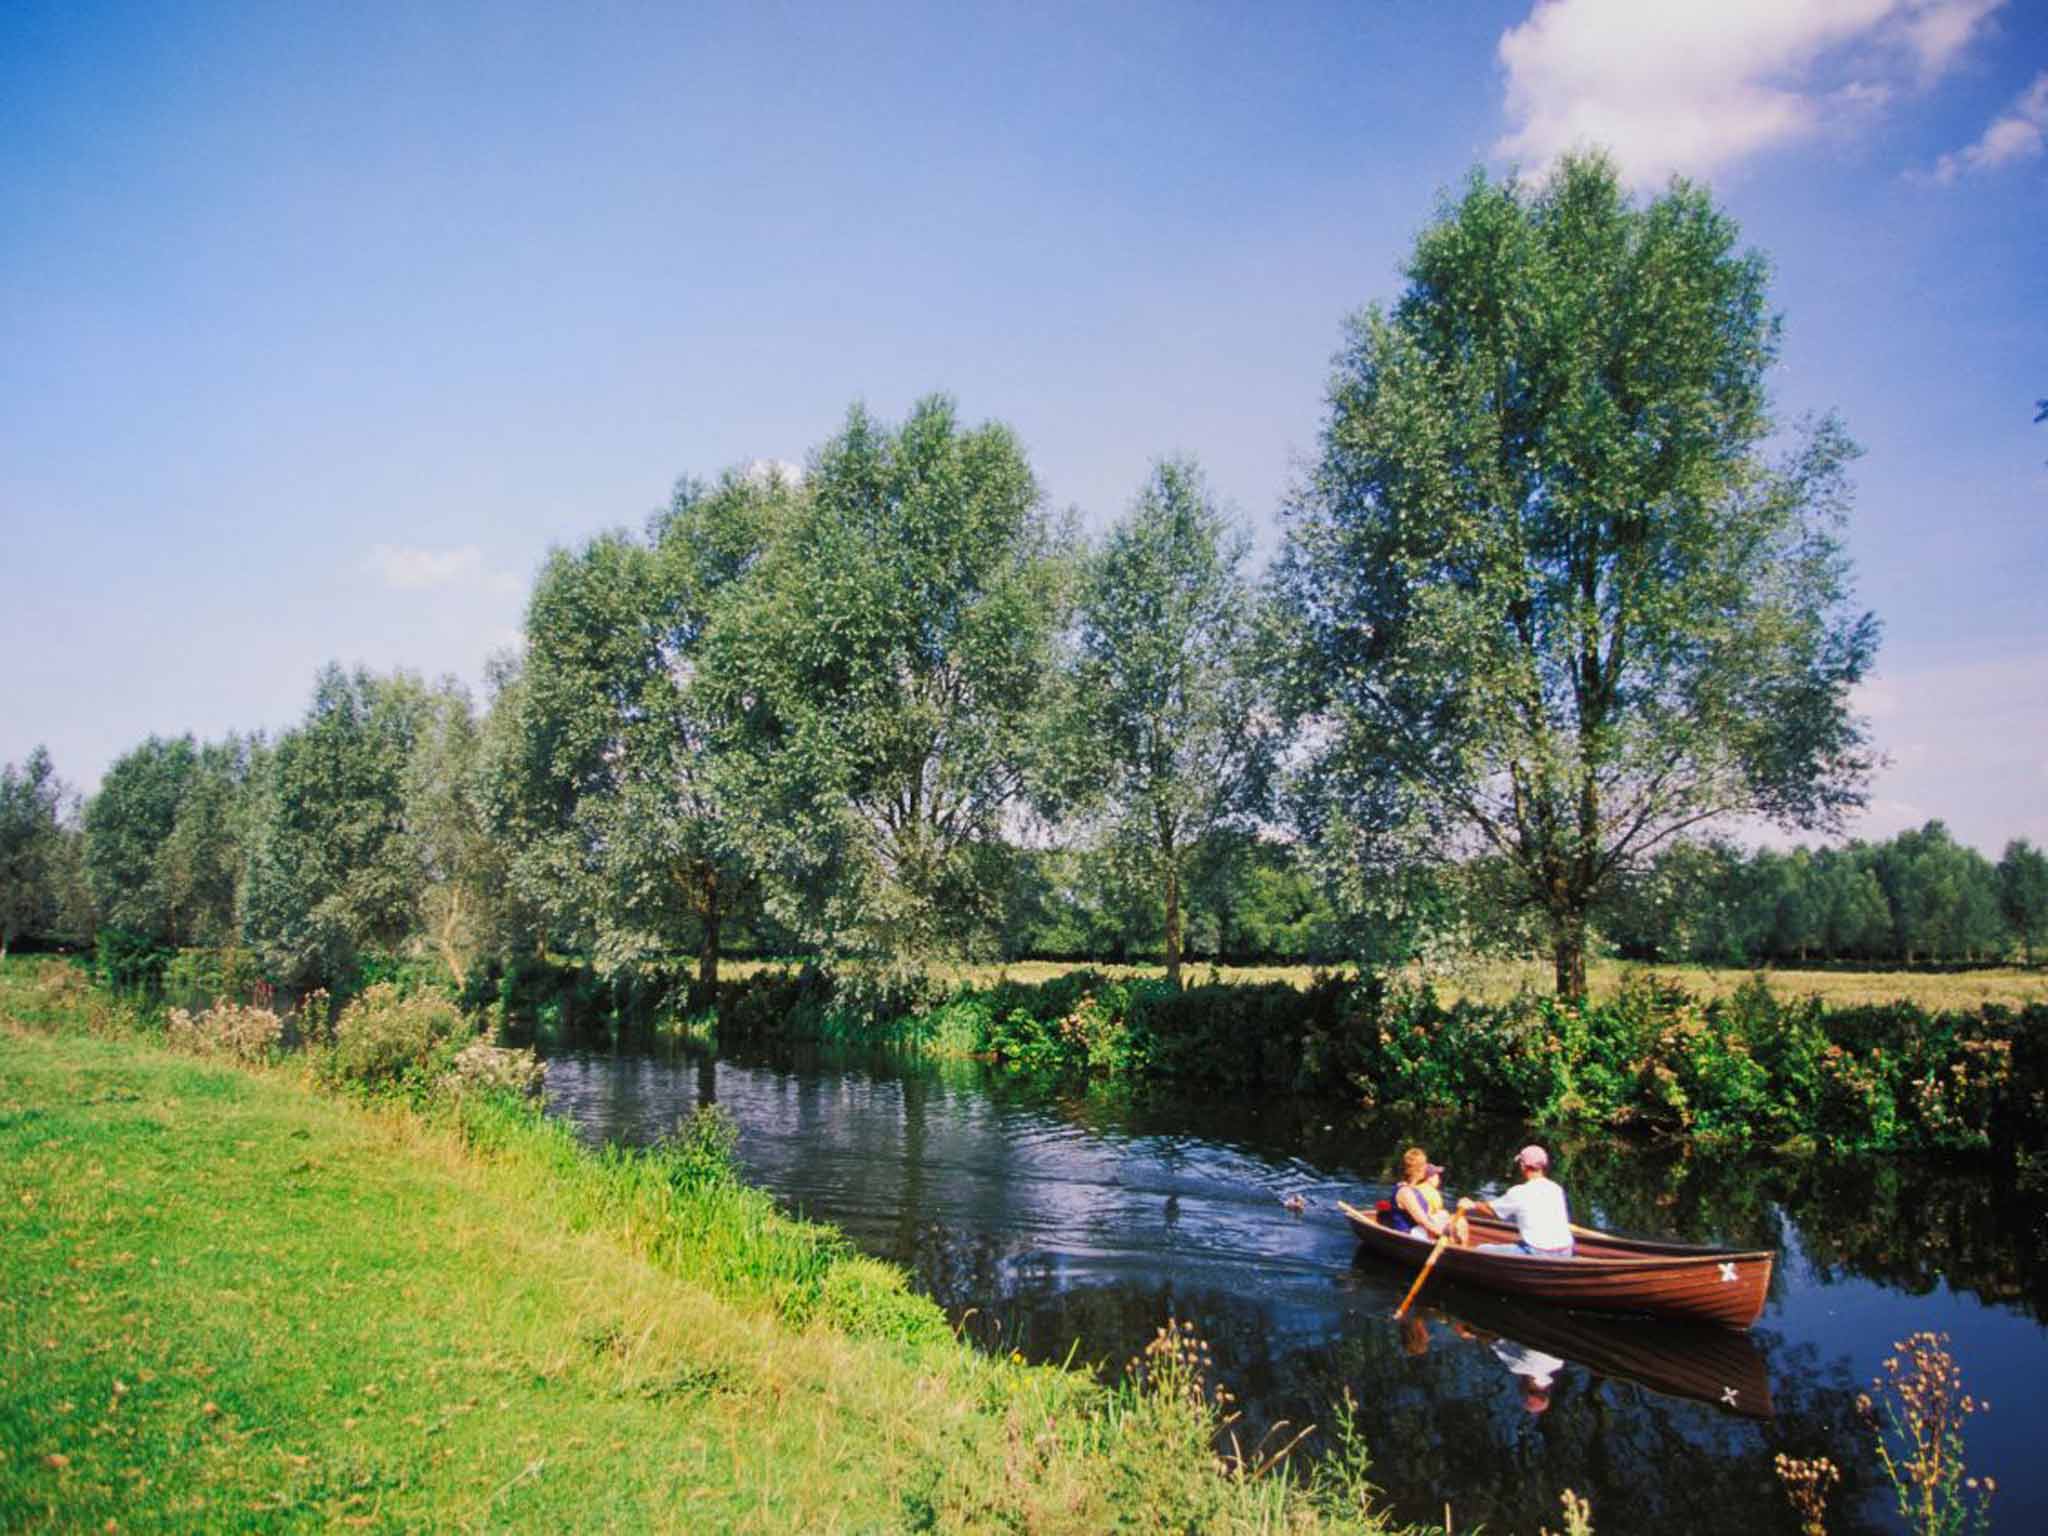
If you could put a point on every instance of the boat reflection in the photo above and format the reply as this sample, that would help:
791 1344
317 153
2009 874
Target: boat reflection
1719 1366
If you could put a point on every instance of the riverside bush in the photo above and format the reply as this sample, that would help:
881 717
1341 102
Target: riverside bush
1749 1068
225 1029
481 1067
385 1040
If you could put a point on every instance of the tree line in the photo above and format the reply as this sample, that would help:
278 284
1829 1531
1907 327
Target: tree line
1550 602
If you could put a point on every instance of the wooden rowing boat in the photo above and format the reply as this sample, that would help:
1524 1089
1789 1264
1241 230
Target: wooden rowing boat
1719 1366
1608 1274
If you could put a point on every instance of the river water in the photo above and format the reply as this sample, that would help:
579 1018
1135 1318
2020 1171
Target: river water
1070 1222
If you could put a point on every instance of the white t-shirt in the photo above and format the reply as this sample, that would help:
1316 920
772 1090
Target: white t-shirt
1536 1207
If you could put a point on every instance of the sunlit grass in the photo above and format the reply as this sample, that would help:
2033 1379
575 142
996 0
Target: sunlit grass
1966 990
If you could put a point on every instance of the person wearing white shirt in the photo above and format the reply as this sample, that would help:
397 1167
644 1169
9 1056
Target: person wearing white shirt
1537 1208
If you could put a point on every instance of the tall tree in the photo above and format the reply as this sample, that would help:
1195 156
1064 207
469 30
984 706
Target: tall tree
31 808
461 867
198 867
884 673
127 825
604 781
331 873
1170 723
1552 599
2023 894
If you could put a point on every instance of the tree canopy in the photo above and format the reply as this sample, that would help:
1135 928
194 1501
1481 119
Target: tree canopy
31 832
1552 598
881 673
1169 724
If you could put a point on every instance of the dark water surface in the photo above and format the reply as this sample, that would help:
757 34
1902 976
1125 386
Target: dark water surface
1076 1220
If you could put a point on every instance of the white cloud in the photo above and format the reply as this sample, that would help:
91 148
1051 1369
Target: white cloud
1938 32
2019 133
410 568
1693 86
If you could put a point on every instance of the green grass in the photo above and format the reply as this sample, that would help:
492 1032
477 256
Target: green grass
228 1302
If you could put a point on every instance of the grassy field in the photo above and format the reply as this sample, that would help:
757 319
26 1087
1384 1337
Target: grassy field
228 1302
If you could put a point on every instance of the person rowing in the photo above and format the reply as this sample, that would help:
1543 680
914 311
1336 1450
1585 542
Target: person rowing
1536 1206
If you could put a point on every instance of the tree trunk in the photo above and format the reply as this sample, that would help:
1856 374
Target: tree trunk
707 949
1570 953
1172 922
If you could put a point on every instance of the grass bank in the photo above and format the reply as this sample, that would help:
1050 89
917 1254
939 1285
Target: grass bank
230 1301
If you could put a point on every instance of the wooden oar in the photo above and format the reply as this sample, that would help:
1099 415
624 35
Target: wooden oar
1427 1265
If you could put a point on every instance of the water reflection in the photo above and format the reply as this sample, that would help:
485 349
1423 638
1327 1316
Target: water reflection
1070 1222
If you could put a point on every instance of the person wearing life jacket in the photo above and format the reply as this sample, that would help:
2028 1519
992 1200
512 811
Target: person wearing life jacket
1418 1205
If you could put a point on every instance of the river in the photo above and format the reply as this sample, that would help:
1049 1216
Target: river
1071 1221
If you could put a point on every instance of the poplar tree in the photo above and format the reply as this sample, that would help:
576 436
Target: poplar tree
1168 716
1554 600
883 675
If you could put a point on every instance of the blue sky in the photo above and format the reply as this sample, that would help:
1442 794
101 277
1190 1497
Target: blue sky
318 327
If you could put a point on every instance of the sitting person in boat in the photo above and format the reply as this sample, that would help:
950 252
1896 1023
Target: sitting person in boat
1536 1206
1418 1207
1433 1191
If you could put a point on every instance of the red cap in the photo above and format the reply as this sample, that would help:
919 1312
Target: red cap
1532 1157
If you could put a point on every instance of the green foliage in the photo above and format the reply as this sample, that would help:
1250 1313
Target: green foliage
464 912
602 780
2023 894
331 871
1169 741
1747 1069
33 852
1918 898
882 671
164 839
126 826
1548 599
389 1041
705 1147
129 963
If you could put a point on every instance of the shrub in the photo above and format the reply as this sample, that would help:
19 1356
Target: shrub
226 1029
873 1300
703 1150
313 1020
386 1040
480 1067
127 962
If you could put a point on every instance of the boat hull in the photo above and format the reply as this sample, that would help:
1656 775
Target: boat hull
1722 1367
1609 1274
